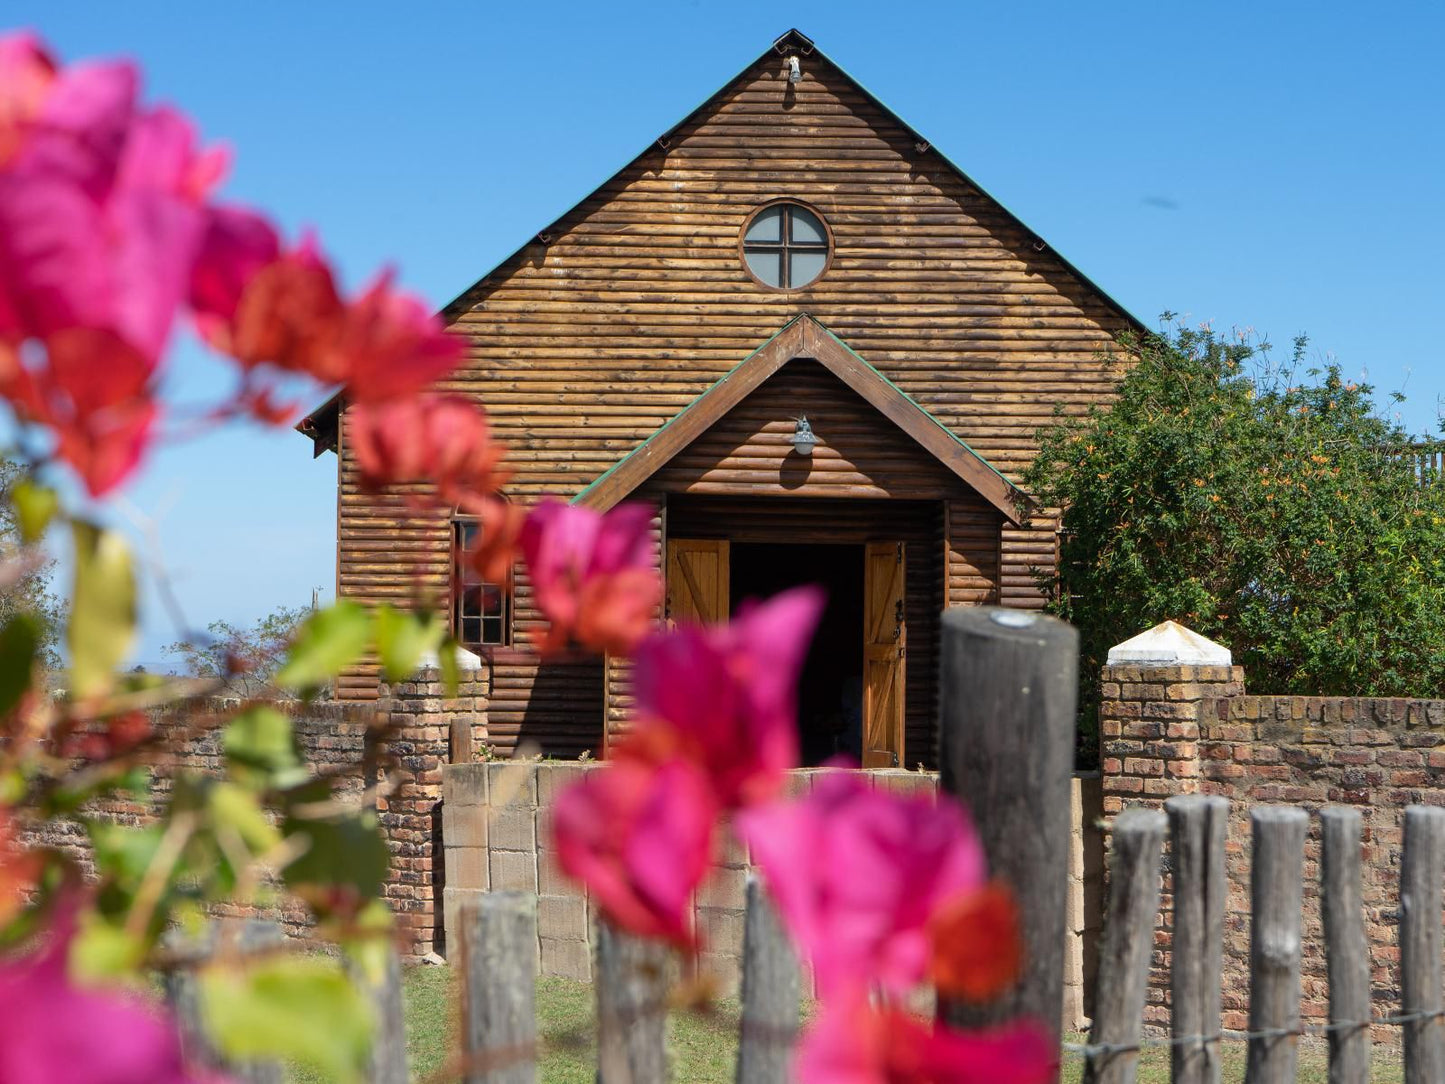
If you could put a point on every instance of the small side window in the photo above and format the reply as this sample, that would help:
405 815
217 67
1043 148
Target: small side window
481 611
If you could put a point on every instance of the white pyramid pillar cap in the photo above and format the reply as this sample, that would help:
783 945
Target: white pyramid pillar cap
466 660
1170 644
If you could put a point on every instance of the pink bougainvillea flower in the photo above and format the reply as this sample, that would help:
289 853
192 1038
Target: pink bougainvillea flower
55 1031
391 345
725 696
854 1043
593 574
639 837
858 874
443 440
977 948
27 72
93 391
237 244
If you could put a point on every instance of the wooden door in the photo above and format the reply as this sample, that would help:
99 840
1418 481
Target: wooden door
884 638
697 580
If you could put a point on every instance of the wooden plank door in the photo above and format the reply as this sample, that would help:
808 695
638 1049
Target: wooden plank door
884 639
697 579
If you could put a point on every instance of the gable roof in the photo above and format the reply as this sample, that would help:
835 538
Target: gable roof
805 337
322 423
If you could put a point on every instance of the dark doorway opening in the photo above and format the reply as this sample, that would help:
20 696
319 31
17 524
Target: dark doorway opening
830 693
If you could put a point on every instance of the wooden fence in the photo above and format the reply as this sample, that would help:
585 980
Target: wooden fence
1008 682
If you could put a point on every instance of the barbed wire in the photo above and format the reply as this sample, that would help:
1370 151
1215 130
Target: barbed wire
1092 1051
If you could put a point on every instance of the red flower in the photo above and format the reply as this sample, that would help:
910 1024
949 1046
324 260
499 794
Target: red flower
593 574
27 73
977 948
854 1043
639 837
497 541
725 696
94 392
442 440
859 874
391 345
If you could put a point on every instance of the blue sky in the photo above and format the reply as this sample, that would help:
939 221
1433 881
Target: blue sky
1269 165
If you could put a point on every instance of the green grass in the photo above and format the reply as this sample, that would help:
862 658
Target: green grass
703 1046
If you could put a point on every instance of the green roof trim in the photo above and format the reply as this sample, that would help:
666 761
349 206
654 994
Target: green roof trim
668 424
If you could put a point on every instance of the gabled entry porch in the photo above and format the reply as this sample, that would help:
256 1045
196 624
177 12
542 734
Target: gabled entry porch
888 510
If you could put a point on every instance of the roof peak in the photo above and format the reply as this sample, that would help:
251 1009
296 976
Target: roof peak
793 41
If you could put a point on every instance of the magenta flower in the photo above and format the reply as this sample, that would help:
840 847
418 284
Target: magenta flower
854 1043
859 874
54 1031
639 837
593 574
725 696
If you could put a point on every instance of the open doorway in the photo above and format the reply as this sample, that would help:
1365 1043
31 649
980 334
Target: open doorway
830 693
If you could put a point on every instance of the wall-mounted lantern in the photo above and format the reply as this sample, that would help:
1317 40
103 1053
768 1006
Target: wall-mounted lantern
803 437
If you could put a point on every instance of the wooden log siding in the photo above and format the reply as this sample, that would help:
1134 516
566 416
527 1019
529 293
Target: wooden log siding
582 345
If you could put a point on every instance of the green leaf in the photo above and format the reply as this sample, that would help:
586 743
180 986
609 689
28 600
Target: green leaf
102 610
19 642
260 748
121 852
347 849
299 1008
35 507
326 643
236 808
402 637
103 951
451 672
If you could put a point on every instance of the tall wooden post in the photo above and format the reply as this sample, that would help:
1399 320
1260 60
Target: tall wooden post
1007 731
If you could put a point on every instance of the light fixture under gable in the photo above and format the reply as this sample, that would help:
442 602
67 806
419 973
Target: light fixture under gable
804 439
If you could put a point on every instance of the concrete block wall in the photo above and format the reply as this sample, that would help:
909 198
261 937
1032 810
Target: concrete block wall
495 819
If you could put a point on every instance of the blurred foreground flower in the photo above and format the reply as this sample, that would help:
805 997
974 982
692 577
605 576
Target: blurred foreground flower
639 836
858 875
853 1042
593 574
443 440
725 696
54 1031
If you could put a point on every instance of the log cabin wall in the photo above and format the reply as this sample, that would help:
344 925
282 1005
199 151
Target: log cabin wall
636 301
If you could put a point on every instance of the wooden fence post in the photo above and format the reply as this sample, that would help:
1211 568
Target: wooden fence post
1277 893
1198 825
1138 842
1347 954
1007 734
183 993
770 994
632 980
1421 868
499 984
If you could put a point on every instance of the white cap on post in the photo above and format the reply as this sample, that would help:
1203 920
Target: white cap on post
1169 644
466 660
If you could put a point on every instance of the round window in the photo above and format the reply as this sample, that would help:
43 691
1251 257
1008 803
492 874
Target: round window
785 246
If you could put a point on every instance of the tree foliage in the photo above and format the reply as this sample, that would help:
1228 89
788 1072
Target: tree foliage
247 657
26 571
1269 508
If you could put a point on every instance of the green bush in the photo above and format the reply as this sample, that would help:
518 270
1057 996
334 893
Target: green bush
1273 509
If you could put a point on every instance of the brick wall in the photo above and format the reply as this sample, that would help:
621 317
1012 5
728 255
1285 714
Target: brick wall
496 828
332 737
1169 730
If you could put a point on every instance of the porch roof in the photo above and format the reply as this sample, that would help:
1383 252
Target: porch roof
805 337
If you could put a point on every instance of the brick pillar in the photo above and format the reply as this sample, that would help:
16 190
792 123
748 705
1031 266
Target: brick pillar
1160 692
1150 720
423 720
